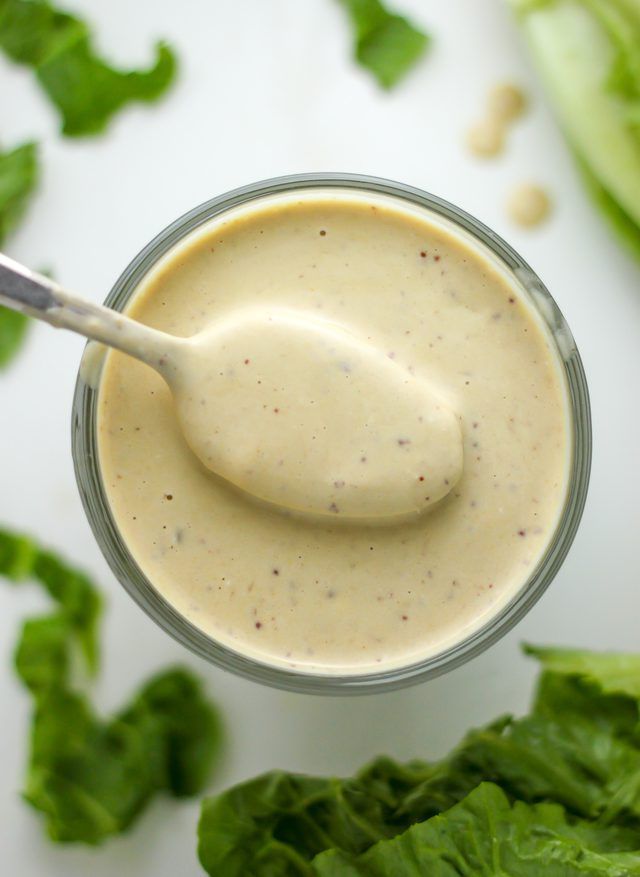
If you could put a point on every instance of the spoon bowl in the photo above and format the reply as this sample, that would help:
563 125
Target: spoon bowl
338 429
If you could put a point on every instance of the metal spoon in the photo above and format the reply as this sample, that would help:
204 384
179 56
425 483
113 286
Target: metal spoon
295 410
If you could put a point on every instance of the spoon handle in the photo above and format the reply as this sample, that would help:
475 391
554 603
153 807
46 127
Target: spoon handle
30 293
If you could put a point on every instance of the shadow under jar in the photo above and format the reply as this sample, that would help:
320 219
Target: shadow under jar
331 606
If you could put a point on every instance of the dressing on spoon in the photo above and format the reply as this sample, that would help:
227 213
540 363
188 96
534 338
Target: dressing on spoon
338 428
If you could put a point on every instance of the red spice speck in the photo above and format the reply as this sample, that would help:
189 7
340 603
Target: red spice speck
276 411
522 532
421 478
423 253
246 362
404 441
258 625
437 258
405 617
491 585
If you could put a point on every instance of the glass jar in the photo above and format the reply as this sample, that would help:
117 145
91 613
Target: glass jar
126 570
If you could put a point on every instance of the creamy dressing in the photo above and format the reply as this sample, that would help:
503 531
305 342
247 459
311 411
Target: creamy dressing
407 304
318 398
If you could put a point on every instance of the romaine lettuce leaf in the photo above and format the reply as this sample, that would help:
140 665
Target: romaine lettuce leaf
276 823
85 90
386 44
578 751
18 179
92 777
612 673
76 616
487 835
13 328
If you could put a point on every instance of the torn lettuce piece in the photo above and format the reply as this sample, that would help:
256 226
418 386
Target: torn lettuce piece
612 673
13 329
386 44
85 90
78 609
18 180
277 822
91 777
189 727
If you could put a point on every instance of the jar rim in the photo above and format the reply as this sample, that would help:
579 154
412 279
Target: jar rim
105 530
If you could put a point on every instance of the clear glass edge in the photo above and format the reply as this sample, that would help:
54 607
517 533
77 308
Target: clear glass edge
96 506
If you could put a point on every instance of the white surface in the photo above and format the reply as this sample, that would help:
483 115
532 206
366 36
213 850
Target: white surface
267 88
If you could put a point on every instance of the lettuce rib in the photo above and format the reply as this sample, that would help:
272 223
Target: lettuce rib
588 53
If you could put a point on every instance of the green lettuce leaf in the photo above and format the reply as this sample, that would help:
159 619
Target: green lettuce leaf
85 90
18 180
13 328
386 44
578 749
588 53
487 835
276 823
579 746
612 673
74 622
92 777
43 655
190 729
